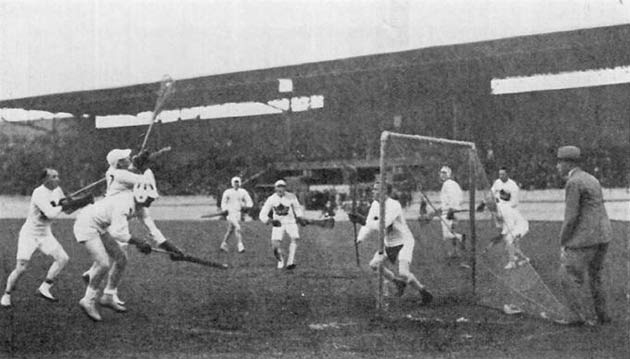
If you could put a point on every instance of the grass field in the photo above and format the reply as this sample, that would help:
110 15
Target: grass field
325 308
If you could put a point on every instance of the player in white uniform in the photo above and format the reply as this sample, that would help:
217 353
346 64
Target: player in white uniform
287 213
506 185
451 197
37 235
119 178
100 226
235 201
399 243
513 227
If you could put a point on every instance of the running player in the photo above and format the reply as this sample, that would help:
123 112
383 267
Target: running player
36 234
100 226
121 176
399 243
284 212
235 201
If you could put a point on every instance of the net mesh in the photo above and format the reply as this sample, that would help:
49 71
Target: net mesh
477 270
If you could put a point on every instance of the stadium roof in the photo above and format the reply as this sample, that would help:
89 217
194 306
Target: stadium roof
262 85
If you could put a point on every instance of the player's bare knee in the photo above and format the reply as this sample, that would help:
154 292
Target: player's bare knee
62 257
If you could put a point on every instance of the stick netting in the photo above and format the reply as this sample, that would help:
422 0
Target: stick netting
477 271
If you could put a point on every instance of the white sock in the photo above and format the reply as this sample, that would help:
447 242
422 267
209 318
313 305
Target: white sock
46 285
292 248
90 293
110 291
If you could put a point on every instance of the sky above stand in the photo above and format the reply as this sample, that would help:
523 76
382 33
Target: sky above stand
60 46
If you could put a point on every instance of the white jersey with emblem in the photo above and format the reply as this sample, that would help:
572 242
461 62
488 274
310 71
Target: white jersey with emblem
120 180
508 186
397 232
41 212
234 200
451 195
284 208
111 215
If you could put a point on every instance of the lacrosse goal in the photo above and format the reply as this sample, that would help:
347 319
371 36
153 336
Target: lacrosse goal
412 165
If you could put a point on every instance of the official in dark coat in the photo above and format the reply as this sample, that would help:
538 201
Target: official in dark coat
584 238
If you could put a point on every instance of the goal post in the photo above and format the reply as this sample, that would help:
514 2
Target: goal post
456 254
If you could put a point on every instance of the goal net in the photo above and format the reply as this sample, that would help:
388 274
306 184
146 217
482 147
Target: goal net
460 259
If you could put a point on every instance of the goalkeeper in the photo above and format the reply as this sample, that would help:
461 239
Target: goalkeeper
399 243
451 197
513 227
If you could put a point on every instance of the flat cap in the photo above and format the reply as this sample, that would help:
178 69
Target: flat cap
569 153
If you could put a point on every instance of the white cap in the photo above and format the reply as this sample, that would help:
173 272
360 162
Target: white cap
280 183
235 179
116 155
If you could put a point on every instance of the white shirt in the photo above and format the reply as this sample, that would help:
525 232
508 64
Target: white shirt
451 195
397 232
41 212
120 180
508 186
112 214
511 220
284 208
233 200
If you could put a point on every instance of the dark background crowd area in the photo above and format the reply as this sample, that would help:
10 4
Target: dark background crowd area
439 92
79 151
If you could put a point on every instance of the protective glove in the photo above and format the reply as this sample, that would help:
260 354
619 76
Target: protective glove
356 218
301 221
142 245
275 223
175 253
140 160
69 205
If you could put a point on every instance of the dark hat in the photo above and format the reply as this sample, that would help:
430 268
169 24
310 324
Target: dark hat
569 153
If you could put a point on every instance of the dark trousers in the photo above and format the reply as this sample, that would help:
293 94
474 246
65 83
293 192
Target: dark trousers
574 264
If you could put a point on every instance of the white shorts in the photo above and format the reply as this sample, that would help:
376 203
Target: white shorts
83 232
403 252
234 220
291 229
28 243
448 228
